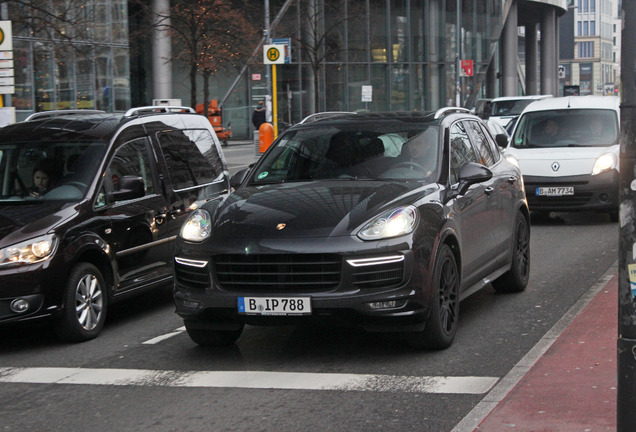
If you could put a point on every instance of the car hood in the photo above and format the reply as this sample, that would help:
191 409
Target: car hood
311 209
23 222
558 161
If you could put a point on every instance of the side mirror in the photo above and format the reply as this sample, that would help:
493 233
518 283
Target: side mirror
470 174
130 187
501 140
237 179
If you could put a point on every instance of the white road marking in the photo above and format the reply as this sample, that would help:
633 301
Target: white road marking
249 379
163 337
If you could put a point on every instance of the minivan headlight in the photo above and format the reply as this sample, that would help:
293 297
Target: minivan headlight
198 227
393 223
605 162
30 251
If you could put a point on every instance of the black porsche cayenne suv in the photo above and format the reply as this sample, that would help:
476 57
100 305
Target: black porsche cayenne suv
384 221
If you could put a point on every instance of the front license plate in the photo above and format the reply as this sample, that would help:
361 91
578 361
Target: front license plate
274 305
555 191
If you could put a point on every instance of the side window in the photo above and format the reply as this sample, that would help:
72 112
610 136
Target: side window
130 160
191 157
462 151
482 145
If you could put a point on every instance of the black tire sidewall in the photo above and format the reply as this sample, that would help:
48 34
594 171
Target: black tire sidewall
68 327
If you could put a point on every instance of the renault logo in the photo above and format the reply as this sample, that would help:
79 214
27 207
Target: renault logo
280 226
555 166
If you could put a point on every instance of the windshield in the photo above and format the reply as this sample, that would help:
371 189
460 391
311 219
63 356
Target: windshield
509 107
567 128
47 170
361 152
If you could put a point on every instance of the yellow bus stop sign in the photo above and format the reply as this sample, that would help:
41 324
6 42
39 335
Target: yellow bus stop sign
273 54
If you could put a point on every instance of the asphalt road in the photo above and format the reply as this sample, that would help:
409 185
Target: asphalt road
144 373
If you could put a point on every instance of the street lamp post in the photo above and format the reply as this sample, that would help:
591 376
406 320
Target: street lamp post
626 394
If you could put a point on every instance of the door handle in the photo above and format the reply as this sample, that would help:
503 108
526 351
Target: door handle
489 190
512 179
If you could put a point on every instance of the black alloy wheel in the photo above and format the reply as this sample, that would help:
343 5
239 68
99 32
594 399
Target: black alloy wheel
85 304
441 325
516 279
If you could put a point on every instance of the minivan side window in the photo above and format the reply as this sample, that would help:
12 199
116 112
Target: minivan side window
190 165
130 160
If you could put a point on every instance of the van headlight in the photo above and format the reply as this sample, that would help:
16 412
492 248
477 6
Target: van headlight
30 251
198 227
605 162
392 223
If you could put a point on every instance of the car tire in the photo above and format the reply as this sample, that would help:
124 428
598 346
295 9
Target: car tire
207 337
441 325
516 279
85 304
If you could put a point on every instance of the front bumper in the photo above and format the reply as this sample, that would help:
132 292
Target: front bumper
40 285
206 291
598 192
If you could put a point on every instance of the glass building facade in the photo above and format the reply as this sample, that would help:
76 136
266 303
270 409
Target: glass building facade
84 64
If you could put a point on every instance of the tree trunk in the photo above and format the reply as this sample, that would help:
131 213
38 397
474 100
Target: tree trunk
193 86
206 91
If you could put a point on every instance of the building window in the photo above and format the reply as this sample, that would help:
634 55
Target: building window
579 31
586 49
586 28
592 5
592 28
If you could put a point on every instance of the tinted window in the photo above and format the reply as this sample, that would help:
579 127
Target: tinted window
191 157
567 128
462 151
482 145
130 160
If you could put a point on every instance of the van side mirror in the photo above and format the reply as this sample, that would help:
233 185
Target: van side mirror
130 187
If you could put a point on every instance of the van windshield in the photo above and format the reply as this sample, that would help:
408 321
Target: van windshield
48 170
509 107
567 128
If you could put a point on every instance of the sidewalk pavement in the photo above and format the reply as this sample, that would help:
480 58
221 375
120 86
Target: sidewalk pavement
572 386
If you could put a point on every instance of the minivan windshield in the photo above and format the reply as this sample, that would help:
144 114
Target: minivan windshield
509 107
381 151
48 170
567 128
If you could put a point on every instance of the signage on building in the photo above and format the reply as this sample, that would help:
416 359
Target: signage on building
367 93
7 84
256 77
467 68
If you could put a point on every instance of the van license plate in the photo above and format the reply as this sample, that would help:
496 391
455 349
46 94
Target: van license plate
555 191
274 305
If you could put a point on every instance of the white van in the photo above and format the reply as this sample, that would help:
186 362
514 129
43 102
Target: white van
506 108
568 150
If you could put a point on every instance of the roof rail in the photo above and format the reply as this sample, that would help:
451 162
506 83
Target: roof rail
448 110
57 113
158 109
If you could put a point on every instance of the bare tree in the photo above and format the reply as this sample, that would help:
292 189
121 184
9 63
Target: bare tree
208 35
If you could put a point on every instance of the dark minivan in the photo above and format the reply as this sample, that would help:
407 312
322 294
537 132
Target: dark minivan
90 205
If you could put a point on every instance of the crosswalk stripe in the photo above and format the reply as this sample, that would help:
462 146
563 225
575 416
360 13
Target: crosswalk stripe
249 379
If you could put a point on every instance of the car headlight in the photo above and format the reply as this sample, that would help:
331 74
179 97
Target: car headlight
198 227
392 223
605 162
30 251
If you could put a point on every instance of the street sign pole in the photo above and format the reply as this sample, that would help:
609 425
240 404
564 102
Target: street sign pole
626 391
274 102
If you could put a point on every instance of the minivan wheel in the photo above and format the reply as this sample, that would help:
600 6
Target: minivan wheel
441 325
84 304
516 279
208 337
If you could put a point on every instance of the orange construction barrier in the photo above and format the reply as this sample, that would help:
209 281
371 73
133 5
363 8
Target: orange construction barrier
265 137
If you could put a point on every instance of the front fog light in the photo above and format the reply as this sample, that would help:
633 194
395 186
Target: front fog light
19 305
392 304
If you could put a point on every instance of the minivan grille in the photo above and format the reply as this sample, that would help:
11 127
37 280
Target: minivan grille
537 202
378 276
279 272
